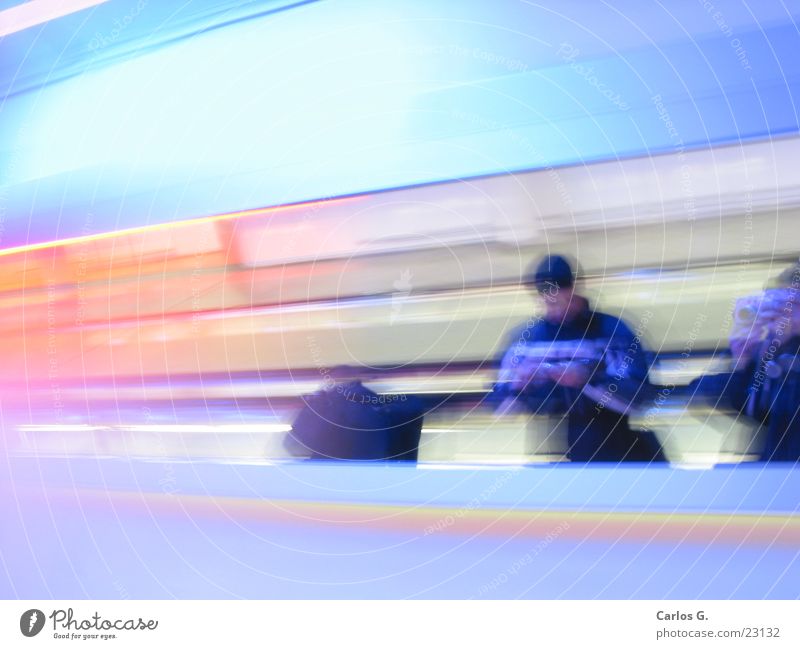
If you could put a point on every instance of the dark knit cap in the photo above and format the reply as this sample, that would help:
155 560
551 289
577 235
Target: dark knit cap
552 270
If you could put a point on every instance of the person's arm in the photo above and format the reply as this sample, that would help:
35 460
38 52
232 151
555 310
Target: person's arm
622 379
503 395
302 440
726 390
524 383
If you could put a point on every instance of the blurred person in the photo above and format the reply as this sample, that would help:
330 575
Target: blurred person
764 384
581 364
345 420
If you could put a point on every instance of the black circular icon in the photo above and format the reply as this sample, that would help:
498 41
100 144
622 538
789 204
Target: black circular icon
31 622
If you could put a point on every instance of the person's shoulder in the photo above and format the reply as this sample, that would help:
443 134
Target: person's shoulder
531 329
791 346
519 336
354 389
611 325
794 342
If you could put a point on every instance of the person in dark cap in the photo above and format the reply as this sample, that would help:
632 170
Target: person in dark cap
764 384
580 364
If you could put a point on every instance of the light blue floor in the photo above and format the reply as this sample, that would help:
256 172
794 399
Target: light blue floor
67 547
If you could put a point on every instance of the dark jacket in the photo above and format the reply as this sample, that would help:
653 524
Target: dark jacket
597 415
767 390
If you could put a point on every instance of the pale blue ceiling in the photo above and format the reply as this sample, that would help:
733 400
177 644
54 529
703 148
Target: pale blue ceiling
205 107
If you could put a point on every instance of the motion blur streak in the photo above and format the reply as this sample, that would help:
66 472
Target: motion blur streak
205 207
250 308
161 226
35 12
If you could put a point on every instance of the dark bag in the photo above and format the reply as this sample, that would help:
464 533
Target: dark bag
354 423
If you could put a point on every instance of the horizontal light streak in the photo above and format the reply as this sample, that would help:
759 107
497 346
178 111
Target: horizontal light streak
36 12
221 429
156 227
645 527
